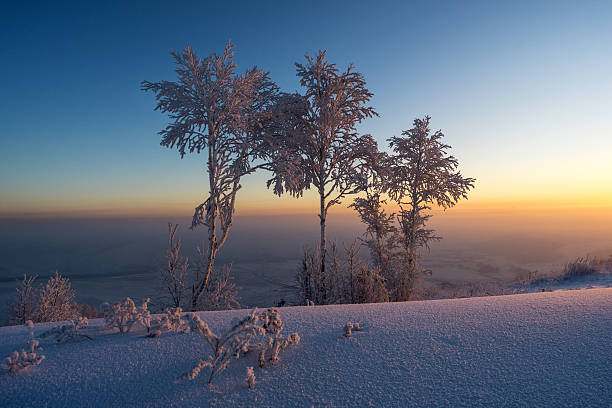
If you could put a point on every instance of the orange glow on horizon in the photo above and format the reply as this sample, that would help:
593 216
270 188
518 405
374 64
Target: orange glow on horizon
251 206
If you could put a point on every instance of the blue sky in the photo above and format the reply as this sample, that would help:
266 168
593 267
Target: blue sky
522 90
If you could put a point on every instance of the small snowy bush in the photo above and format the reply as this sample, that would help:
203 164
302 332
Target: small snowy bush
52 302
250 377
18 362
273 325
220 292
237 341
68 333
582 266
171 320
123 315
349 327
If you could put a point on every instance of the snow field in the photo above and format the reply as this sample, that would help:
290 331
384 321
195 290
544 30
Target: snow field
547 349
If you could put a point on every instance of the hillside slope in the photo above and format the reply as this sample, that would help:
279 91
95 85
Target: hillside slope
541 349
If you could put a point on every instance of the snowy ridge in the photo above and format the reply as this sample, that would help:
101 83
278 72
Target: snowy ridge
539 349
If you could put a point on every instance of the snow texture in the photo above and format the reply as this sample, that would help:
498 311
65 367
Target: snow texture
69 332
548 349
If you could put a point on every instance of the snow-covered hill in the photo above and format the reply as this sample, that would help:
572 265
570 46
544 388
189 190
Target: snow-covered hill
542 349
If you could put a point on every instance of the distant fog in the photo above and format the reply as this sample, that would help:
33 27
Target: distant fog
110 258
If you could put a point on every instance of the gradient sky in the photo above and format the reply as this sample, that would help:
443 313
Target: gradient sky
521 89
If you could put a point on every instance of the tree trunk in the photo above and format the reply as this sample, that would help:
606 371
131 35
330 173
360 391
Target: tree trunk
212 251
322 248
211 222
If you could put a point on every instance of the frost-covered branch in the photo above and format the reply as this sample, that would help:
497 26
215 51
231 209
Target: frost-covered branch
220 293
174 274
171 320
124 315
237 341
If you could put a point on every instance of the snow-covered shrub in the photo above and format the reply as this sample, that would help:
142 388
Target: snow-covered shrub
276 342
124 314
56 300
305 276
20 361
80 322
237 341
171 320
174 272
68 333
274 346
380 235
349 327
25 305
581 266
250 377
219 292
523 281
347 279
225 347
17 362
333 286
51 303
370 287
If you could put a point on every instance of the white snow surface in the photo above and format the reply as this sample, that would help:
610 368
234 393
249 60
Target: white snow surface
548 349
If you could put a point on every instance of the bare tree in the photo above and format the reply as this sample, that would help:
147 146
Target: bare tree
306 275
173 275
353 266
25 305
316 144
216 110
420 174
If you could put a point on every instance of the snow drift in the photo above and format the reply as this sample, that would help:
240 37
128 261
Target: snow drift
539 349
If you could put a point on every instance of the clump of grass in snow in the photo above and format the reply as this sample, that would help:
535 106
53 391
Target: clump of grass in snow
583 266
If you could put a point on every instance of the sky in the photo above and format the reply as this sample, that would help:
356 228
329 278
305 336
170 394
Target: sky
520 89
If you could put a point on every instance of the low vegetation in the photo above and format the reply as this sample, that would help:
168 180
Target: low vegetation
28 357
239 340
51 302
125 314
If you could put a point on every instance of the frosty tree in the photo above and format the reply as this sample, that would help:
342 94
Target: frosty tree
217 111
315 141
381 230
56 300
420 173
173 275
25 305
